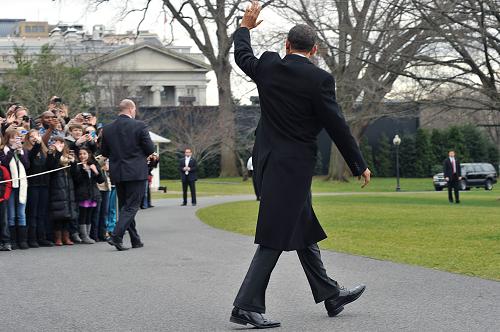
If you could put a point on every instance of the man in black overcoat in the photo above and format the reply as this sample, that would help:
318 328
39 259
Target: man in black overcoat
297 101
452 174
187 167
127 144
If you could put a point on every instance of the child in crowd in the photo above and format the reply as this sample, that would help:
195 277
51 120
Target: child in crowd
100 230
15 159
87 176
61 190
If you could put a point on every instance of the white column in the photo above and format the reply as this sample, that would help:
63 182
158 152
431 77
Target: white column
156 89
180 91
202 95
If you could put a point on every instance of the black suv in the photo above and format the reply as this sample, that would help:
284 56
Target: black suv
474 175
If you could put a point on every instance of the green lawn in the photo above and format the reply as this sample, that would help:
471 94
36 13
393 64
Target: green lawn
235 186
420 229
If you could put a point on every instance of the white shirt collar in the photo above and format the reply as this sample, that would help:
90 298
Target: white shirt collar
300 54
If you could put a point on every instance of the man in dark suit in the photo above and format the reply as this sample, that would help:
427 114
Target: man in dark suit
187 167
452 174
297 101
127 144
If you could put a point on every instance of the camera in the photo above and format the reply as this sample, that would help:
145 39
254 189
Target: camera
57 100
86 115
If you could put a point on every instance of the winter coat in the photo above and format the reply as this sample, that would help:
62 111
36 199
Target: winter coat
61 190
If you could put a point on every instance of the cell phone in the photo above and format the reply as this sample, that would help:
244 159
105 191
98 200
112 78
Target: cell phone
86 115
23 132
57 100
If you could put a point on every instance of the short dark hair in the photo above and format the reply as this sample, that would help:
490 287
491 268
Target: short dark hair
302 37
188 149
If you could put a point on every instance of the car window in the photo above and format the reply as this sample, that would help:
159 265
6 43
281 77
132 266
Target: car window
478 168
487 168
467 169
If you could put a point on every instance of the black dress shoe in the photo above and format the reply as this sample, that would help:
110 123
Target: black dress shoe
194 204
335 305
183 204
118 245
137 245
244 317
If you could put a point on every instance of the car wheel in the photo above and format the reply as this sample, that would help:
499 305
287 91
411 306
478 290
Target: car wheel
438 188
463 185
488 185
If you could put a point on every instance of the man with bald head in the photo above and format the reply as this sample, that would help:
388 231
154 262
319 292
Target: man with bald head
127 144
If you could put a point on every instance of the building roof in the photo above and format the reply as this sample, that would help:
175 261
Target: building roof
168 52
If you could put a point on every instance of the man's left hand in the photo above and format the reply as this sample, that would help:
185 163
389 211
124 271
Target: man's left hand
366 177
251 15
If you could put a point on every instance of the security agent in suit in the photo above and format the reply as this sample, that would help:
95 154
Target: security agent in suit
452 174
297 102
127 144
187 167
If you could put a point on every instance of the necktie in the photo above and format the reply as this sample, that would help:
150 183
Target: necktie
454 167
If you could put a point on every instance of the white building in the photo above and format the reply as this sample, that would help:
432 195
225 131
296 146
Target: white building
122 65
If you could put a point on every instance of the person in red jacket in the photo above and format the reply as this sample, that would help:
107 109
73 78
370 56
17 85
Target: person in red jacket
5 190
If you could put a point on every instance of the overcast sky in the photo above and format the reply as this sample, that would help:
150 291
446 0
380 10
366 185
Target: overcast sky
111 15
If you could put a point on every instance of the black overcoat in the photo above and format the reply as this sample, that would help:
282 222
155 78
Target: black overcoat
127 144
297 101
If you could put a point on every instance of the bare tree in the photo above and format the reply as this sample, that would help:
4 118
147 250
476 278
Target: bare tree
210 24
367 45
465 60
191 127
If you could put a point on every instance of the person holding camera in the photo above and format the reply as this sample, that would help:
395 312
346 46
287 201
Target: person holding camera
15 158
17 116
51 127
77 139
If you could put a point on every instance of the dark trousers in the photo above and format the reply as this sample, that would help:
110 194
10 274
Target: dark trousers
61 225
192 188
37 212
73 225
130 195
252 294
453 186
100 217
85 215
98 229
4 225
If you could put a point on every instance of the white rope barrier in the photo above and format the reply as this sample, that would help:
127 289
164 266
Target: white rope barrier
38 174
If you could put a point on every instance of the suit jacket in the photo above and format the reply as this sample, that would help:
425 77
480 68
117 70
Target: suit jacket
192 173
297 101
127 144
448 168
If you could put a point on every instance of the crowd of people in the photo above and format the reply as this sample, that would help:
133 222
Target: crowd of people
55 187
